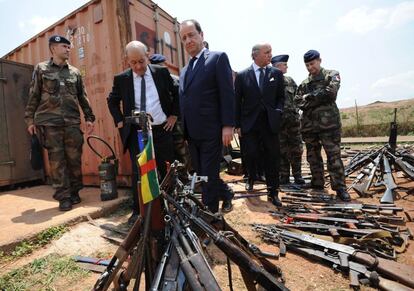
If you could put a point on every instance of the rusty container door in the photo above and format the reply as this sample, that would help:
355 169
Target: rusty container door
99 31
14 140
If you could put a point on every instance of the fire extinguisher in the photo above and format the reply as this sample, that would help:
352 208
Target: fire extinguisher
108 170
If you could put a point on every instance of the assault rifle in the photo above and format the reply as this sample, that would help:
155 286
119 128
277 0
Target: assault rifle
249 266
343 253
406 167
362 188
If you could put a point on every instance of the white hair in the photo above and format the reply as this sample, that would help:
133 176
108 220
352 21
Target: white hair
136 45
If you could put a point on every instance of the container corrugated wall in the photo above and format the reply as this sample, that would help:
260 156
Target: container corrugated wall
99 31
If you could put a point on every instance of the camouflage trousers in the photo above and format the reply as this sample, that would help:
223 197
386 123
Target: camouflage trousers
331 143
291 149
181 151
64 147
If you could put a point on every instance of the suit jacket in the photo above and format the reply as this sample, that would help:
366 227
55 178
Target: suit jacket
207 97
123 91
250 101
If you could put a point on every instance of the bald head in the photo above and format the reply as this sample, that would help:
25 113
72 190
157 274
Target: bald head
262 54
137 57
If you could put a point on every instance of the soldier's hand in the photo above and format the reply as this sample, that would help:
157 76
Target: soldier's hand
227 135
89 127
32 129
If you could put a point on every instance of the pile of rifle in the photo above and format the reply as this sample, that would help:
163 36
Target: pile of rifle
361 240
375 168
181 262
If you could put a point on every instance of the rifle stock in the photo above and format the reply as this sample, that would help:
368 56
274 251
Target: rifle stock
400 272
390 185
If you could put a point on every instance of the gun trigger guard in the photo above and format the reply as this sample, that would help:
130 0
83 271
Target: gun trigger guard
227 233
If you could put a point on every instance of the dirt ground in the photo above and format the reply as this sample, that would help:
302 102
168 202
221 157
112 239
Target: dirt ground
300 273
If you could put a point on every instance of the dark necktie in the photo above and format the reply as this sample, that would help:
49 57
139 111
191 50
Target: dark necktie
261 79
190 68
143 97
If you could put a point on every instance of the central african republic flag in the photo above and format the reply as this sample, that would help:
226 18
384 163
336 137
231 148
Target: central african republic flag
150 189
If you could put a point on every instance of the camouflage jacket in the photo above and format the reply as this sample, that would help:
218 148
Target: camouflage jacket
316 97
55 96
290 110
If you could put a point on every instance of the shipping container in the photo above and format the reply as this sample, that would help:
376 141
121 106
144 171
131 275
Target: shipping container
99 31
14 140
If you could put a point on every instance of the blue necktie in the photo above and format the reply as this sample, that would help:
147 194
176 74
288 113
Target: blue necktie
190 69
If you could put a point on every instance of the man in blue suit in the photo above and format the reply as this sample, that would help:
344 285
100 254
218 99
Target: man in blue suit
207 111
259 105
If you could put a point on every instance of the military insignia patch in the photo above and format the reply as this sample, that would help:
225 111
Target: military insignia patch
336 78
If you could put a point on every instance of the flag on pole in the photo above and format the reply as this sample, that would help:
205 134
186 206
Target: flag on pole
150 189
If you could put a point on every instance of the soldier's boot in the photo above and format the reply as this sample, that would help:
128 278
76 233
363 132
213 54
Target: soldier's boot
273 197
299 180
343 195
65 204
284 180
74 197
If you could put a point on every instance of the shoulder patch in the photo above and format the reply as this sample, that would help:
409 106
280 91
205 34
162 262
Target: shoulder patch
336 78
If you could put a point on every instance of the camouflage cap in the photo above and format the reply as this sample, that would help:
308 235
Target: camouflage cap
280 59
311 55
157 58
58 39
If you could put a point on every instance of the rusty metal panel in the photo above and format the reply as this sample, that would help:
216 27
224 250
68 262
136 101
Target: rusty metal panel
98 35
14 140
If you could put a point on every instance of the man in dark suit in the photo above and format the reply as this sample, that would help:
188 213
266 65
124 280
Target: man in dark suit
207 112
150 88
259 105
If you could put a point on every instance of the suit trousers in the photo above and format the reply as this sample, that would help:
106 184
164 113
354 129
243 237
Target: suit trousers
261 137
205 157
164 152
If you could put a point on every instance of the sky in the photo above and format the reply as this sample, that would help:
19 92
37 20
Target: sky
370 42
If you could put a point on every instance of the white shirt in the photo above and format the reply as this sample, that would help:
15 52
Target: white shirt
153 105
257 72
198 57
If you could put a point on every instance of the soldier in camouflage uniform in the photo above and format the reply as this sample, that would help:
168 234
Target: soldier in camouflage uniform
291 147
321 123
56 93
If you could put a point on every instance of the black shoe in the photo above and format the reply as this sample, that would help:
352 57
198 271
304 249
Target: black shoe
273 197
133 218
74 198
227 206
65 205
249 185
343 195
284 180
311 186
261 178
299 180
